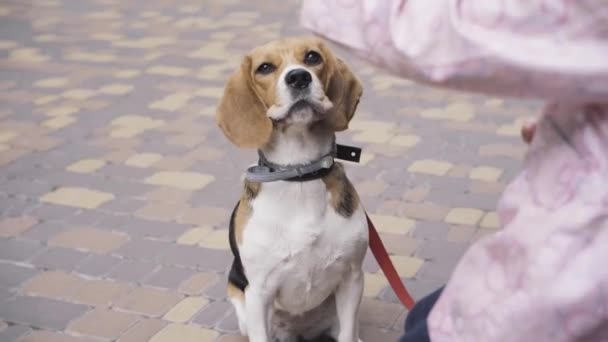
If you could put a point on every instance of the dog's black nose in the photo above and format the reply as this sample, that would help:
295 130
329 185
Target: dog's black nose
298 79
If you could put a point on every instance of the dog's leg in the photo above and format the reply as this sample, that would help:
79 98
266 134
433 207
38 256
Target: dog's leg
348 300
237 298
257 313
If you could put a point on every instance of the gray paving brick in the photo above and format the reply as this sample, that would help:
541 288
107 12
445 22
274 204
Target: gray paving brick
132 270
213 314
41 312
98 265
17 250
142 249
14 332
13 275
169 277
204 259
59 258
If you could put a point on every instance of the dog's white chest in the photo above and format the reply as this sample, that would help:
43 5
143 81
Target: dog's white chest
300 244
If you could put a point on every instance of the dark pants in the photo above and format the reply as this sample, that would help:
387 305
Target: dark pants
416 329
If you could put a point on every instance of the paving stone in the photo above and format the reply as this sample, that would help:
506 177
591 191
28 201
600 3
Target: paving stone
17 250
143 330
142 249
41 312
14 226
169 277
98 265
90 239
13 275
102 323
183 311
59 258
148 301
133 271
203 259
214 313
196 284
77 197
184 333
379 314
51 336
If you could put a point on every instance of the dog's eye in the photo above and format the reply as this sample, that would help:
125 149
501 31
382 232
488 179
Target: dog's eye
265 68
312 58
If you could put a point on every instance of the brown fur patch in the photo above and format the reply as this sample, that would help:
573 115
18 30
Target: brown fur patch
344 198
250 192
234 292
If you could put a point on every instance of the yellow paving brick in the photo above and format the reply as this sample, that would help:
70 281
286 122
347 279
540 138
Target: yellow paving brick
393 224
216 239
459 111
116 89
372 136
45 99
86 165
52 284
29 55
186 309
180 180
102 323
137 122
508 130
127 73
406 266
90 57
143 160
62 111
374 283
7 136
54 82
184 333
193 236
464 216
13 226
212 92
58 122
77 197
90 239
171 102
490 220
485 173
144 43
79 94
148 301
143 330
431 167
196 284
405 140
7 44
167 70
125 132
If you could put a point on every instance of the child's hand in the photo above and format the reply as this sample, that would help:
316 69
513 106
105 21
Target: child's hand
527 131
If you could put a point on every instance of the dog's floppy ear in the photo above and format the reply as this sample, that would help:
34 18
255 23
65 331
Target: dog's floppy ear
241 114
343 89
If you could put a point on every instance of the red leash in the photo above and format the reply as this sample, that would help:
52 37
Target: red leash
381 255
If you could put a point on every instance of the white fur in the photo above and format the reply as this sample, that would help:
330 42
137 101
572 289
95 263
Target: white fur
302 259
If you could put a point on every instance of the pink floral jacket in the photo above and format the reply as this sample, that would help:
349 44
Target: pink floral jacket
544 276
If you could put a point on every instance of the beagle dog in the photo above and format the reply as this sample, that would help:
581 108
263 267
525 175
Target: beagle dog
298 233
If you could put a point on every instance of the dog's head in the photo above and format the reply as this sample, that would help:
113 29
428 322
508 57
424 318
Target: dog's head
288 82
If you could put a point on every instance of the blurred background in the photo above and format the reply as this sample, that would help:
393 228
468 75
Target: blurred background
116 186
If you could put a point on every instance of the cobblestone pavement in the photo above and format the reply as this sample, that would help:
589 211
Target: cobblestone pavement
116 186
